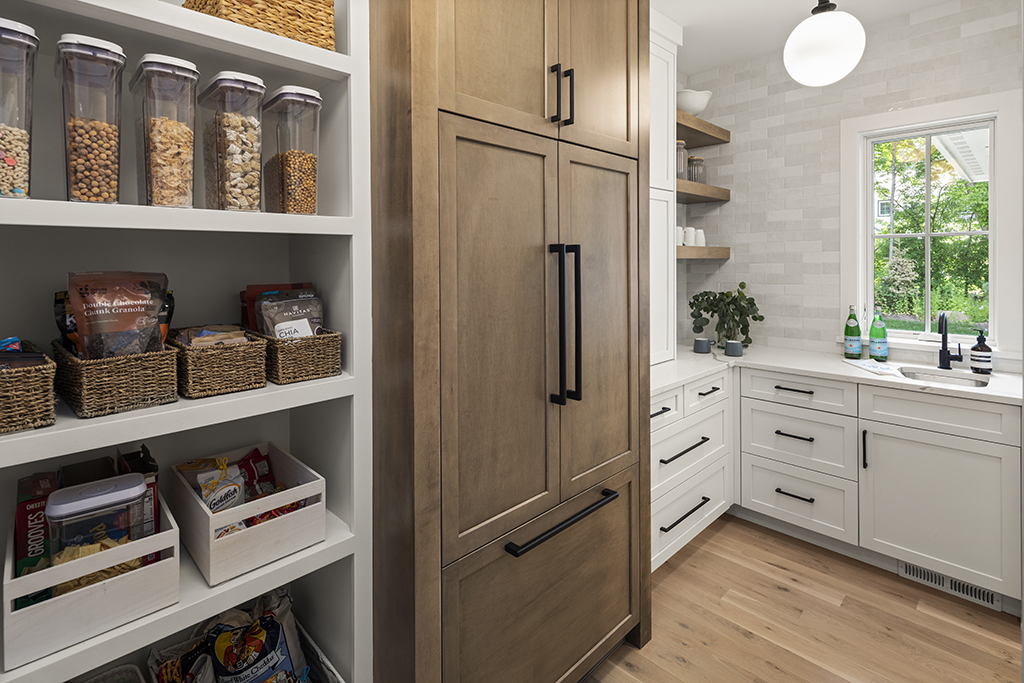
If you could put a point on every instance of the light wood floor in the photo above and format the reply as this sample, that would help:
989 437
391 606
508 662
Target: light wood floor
743 604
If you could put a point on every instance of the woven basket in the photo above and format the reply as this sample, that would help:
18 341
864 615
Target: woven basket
308 21
214 370
114 385
26 396
127 673
306 358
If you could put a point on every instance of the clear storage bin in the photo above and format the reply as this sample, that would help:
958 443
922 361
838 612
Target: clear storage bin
92 513
90 69
292 119
18 44
232 141
164 90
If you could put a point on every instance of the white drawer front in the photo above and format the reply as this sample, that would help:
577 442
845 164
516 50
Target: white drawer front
688 509
666 408
688 446
795 390
706 392
766 483
957 416
823 442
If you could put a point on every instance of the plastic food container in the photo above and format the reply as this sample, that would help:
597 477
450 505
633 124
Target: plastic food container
91 513
18 44
232 141
164 89
292 118
681 161
695 170
90 69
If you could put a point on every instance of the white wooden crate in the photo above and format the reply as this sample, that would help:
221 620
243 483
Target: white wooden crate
44 628
220 559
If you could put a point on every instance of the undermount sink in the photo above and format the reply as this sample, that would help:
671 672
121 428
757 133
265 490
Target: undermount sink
960 378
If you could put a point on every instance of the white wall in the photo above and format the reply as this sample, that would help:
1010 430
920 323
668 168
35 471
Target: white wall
783 163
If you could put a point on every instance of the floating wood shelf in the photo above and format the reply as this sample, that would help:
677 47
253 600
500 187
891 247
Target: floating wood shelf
698 132
698 193
694 253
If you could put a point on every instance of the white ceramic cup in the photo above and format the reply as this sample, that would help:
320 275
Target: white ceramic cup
690 237
700 240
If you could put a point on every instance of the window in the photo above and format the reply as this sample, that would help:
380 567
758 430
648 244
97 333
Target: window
929 248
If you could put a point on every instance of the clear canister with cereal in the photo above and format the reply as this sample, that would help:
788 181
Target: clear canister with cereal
164 90
18 45
292 120
232 141
90 70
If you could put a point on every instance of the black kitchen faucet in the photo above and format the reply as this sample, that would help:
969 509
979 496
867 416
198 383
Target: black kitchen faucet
944 355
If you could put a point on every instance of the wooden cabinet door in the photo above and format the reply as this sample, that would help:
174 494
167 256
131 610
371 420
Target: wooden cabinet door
597 39
499 365
597 195
552 613
494 61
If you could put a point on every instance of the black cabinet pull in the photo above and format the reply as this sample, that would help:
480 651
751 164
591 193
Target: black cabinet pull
519 550
571 73
704 500
660 412
703 440
808 439
559 398
864 447
795 391
793 495
557 69
708 393
577 251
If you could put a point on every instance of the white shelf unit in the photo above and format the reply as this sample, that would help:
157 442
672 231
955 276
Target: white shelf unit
208 257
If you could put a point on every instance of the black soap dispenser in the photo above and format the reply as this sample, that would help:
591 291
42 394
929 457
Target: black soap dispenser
981 356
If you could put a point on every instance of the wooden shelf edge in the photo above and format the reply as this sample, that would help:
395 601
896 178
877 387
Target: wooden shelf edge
688 192
696 253
698 132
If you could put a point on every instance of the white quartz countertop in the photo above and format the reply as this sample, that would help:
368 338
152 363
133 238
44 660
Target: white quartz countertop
689 366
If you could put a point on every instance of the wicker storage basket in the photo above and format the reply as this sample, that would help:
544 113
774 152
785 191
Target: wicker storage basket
213 370
308 21
114 385
306 358
26 396
126 673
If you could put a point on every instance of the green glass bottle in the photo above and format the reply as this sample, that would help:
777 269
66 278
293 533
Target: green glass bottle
852 345
879 338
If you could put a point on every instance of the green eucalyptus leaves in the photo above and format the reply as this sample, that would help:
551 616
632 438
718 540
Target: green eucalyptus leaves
733 311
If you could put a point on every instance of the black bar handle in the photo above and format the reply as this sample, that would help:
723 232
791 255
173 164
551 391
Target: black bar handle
703 440
704 500
708 393
864 447
793 495
557 69
808 439
559 398
576 250
519 550
571 73
797 391
660 412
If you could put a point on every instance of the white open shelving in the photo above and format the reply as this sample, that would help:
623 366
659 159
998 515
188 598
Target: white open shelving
208 256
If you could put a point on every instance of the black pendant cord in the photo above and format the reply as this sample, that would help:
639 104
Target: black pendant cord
824 6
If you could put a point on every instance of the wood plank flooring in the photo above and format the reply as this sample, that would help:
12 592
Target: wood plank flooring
744 604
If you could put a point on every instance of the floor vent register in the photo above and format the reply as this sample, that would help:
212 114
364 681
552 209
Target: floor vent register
947 584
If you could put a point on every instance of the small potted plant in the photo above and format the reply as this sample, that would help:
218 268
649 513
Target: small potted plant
734 312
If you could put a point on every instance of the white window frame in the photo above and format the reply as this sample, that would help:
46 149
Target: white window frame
879 213
1006 263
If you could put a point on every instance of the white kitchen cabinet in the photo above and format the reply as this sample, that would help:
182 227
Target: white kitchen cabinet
682 513
688 446
663 276
946 503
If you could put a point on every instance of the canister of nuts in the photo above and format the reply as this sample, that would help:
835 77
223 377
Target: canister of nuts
164 90
292 119
90 70
232 141
18 44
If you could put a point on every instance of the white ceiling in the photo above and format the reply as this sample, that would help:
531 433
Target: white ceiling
717 32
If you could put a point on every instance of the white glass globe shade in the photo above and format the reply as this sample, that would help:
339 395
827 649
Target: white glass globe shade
824 48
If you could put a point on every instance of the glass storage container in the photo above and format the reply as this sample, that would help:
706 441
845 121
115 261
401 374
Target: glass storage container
232 141
681 159
90 70
292 117
695 170
164 90
18 44
97 511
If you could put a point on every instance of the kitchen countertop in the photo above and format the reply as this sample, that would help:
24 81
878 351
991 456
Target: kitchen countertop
689 366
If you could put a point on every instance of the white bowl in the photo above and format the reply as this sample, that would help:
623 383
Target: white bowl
693 102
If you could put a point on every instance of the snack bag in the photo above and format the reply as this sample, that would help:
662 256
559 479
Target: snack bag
259 478
117 313
257 653
222 488
186 662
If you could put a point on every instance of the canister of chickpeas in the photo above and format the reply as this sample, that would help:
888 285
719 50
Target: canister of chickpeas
164 91
232 141
291 118
90 70
18 45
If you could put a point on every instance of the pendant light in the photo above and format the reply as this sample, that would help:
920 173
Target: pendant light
825 47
